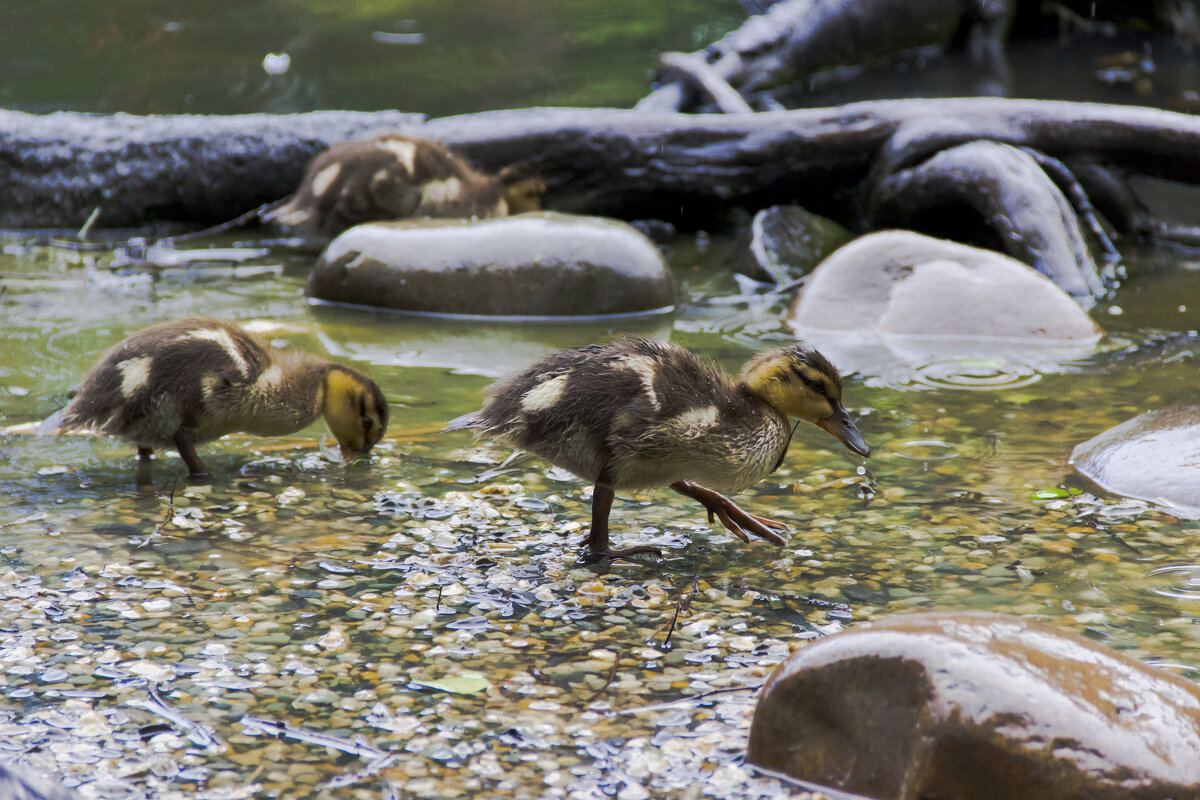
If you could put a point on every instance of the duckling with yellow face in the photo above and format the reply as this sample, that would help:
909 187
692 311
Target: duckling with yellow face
189 381
637 413
394 177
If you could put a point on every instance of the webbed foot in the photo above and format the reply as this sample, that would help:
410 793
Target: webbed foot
742 523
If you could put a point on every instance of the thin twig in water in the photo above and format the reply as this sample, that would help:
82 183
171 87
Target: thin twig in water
198 734
689 699
789 286
612 673
256 725
34 517
87 226
683 602
257 771
170 515
351 778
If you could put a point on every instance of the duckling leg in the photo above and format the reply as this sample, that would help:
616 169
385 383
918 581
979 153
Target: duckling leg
143 475
597 540
187 451
732 517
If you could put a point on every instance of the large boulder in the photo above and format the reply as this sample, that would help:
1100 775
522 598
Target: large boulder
1154 456
541 264
898 297
978 706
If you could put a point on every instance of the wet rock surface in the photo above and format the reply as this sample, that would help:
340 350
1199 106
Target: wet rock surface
974 706
784 242
891 301
539 264
901 282
1001 190
1154 456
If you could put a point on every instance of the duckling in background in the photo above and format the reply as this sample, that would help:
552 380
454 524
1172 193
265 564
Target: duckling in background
638 413
189 381
391 177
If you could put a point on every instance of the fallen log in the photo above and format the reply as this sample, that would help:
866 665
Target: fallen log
687 167
795 38
1012 197
56 169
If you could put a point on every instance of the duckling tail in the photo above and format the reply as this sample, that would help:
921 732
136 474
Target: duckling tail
472 420
55 423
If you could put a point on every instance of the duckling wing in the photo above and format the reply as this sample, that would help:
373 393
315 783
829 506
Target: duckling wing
165 378
727 446
633 413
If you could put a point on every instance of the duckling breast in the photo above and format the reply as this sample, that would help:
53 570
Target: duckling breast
727 448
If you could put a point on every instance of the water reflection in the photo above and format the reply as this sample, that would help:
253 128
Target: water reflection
474 347
925 450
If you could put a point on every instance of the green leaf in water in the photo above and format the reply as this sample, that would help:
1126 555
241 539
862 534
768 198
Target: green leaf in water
463 683
1049 494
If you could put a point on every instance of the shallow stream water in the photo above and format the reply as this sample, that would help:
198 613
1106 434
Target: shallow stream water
296 590
422 625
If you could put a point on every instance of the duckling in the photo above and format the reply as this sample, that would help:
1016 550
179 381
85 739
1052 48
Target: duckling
393 176
185 382
638 413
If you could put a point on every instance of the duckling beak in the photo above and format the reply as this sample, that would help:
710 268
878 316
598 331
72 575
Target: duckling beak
351 454
840 425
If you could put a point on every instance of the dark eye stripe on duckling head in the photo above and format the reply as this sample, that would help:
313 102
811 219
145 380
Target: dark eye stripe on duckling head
804 358
812 379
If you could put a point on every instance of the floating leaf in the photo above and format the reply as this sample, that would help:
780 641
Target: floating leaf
1050 494
463 683
1021 398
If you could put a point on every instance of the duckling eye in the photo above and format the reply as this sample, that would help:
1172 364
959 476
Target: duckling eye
366 423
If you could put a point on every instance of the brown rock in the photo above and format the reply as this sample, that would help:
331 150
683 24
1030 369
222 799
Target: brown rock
978 706
541 264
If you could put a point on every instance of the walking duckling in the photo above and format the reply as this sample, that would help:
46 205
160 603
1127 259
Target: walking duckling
189 381
392 177
638 413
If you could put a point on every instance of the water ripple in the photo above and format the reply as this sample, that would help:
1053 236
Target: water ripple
972 374
1181 582
926 450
